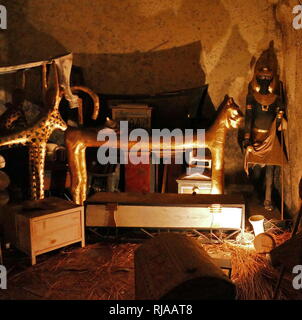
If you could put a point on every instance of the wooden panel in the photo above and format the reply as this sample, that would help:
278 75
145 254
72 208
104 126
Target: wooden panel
55 224
189 189
138 116
190 186
165 217
177 217
58 239
164 199
63 244
97 216
56 231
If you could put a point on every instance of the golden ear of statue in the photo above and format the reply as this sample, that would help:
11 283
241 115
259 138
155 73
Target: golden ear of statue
272 87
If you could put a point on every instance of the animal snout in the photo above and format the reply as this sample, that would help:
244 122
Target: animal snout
241 118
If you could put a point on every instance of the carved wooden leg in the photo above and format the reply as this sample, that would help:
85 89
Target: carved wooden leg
33 259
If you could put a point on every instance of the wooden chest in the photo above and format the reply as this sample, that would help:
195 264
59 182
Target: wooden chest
156 210
187 186
53 224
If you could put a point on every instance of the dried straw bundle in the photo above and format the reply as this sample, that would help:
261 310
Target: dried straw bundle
252 273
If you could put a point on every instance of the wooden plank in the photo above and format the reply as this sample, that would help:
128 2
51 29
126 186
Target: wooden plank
229 218
30 65
177 217
164 199
50 240
54 224
64 244
49 206
99 216
83 238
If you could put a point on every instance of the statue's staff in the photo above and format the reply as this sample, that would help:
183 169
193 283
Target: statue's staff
280 116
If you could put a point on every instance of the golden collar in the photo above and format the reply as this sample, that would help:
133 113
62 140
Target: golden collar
265 100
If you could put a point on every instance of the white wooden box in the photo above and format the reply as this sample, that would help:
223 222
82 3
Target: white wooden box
165 211
197 186
43 230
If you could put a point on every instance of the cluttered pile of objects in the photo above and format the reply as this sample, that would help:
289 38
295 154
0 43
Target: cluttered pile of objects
218 256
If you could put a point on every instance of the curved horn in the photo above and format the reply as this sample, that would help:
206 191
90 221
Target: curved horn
94 97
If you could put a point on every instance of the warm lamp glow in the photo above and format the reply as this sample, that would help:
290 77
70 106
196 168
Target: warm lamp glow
257 223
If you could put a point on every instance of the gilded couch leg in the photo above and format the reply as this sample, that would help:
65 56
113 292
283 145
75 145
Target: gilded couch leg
217 174
83 174
36 167
77 168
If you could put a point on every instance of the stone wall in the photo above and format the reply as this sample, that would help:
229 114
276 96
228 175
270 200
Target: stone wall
291 73
4 48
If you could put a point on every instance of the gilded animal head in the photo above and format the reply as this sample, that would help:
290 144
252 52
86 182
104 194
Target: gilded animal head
234 116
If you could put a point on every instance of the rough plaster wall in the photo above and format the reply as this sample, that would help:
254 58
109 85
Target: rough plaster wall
4 48
147 46
292 41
